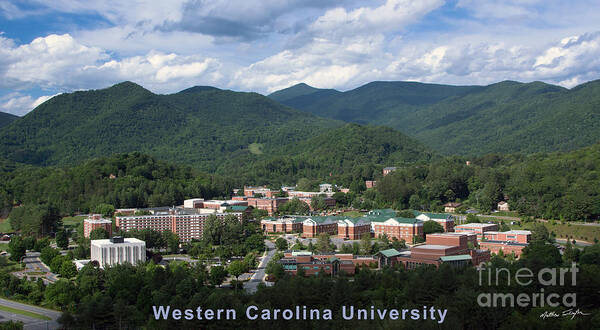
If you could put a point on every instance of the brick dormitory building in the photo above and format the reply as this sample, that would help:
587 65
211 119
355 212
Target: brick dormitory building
377 222
187 223
263 198
96 221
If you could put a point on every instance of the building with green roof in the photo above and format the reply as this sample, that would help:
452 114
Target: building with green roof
444 219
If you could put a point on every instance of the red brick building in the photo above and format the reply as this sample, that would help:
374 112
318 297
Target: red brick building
401 228
517 236
512 241
506 247
262 190
454 239
370 184
285 224
354 228
313 226
271 205
186 223
96 221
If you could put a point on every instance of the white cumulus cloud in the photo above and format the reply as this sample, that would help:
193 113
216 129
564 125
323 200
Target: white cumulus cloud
20 104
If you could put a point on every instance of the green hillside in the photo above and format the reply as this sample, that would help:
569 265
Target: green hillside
198 126
6 118
373 102
504 117
215 130
343 155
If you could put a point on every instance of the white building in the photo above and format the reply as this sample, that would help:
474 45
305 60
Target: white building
118 250
326 188
503 206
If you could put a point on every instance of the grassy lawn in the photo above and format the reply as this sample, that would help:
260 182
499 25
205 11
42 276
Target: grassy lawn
25 313
506 214
255 148
73 221
352 214
5 226
35 273
3 247
576 232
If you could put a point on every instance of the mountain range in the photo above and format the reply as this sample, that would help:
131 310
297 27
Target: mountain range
211 129
471 120
304 131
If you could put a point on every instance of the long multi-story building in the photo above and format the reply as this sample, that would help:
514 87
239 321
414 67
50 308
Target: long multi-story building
378 222
186 223
504 246
96 221
516 236
512 241
118 250
396 227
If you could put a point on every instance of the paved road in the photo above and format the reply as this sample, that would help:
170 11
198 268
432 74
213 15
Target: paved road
30 323
501 217
182 258
577 242
252 285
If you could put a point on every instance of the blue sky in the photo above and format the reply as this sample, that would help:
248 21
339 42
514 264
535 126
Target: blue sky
51 47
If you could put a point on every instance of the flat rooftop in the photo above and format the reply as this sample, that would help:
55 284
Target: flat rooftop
464 233
476 225
513 232
503 243
103 220
103 242
433 247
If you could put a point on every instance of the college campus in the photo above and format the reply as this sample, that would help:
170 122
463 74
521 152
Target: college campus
453 243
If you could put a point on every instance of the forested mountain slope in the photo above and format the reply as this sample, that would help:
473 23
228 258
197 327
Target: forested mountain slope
6 118
472 120
210 129
198 126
